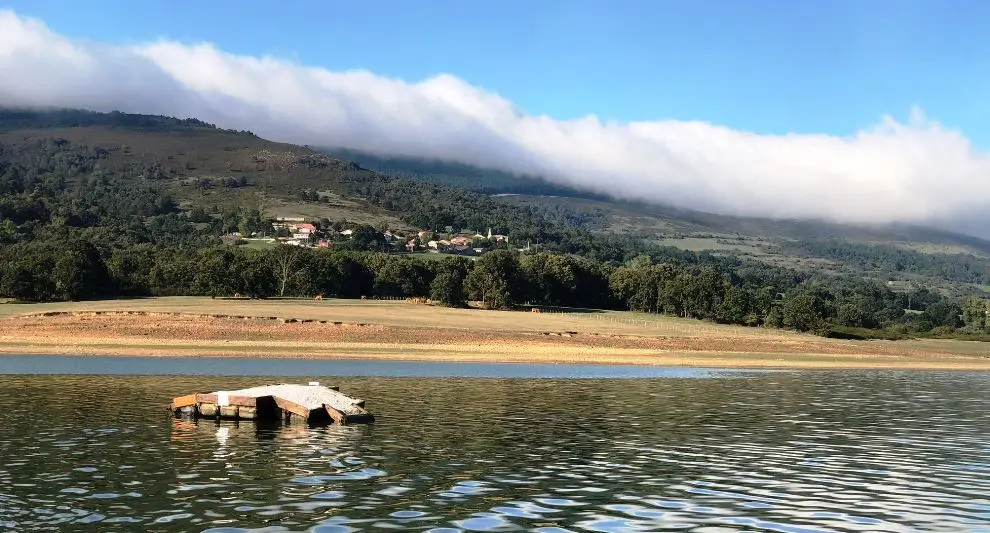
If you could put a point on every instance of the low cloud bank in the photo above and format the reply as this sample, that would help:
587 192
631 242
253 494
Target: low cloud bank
915 171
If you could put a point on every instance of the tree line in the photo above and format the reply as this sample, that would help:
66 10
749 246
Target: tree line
960 268
76 269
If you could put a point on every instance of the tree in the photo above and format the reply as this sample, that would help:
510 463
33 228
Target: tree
551 278
448 289
218 272
284 259
79 272
495 279
804 311
974 313
250 222
257 278
399 276
131 269
943 313
363 238
734 307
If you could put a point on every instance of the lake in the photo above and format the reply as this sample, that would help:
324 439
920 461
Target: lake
86 445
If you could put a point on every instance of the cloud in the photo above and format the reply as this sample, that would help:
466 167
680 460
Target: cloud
914 171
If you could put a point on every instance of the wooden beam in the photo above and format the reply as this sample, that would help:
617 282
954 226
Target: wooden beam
184 401
294 408
240 401
337 415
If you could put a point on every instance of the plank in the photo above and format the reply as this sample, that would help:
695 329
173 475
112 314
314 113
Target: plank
184 401
337 416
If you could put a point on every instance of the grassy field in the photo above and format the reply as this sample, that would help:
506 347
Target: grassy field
405 331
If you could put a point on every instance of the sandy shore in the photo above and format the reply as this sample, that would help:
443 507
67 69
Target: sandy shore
75 330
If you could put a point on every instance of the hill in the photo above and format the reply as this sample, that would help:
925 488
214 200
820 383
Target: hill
100 205
906 255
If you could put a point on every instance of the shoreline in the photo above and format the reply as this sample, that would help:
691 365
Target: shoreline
398 331
713 363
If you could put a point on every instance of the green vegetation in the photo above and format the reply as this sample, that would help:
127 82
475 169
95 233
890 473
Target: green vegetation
458 175
892 260
107 205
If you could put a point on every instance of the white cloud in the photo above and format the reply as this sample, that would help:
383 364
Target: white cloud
908 172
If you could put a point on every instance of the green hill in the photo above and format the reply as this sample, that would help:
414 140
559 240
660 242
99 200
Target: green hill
109 204
202 168
905 255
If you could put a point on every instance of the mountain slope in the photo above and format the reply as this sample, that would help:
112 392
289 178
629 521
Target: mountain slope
898 252
213 170
217 171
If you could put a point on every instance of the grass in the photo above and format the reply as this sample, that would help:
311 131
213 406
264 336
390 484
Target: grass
703 244
430 256
404 331
258 244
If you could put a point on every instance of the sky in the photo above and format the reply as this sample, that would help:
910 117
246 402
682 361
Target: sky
761 107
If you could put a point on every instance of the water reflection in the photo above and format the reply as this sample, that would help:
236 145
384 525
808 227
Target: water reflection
789 452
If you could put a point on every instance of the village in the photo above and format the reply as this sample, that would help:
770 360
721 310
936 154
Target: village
298 231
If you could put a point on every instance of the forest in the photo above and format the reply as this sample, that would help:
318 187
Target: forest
891 259
74 227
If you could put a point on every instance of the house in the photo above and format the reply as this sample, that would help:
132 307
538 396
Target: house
347 232
461 241
390 237
434 245
290 219
301 236
460 250
497 238
303 228
411 245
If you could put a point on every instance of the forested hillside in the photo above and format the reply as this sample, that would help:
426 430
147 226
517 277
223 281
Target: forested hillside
104 205
949 262
453 174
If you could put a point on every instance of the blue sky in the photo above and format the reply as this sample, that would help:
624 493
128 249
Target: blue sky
759 65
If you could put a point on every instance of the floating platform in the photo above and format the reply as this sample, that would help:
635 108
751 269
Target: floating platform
311 403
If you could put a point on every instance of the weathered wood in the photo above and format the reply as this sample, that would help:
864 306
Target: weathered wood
232 399
337 416
292 407
313 403
184 401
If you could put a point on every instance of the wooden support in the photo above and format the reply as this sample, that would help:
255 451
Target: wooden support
312 403
292 407
184 401
337 416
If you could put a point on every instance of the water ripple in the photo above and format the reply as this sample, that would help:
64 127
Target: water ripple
785 452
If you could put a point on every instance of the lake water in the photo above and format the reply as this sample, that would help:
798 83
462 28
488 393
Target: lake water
685 450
